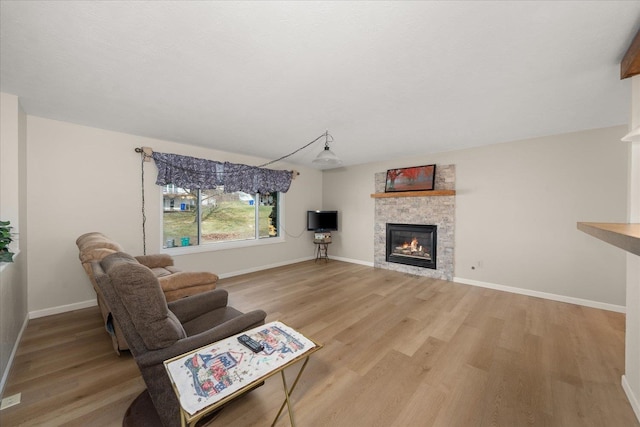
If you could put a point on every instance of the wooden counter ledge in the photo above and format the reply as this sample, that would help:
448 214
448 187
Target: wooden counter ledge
623 236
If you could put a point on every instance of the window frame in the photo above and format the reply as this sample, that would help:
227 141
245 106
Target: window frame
225 245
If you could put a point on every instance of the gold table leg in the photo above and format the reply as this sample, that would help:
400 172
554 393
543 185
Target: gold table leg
287 393
183 418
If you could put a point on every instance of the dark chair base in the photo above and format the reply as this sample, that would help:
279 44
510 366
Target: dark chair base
142 413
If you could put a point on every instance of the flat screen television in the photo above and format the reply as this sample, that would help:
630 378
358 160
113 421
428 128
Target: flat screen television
322 220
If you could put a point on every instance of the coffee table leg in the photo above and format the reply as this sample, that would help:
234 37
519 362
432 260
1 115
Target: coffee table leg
183 418
288 392
284 385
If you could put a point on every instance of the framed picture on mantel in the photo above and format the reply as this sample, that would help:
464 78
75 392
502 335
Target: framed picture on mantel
416 178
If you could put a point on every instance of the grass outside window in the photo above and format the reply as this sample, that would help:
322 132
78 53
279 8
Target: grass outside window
212 216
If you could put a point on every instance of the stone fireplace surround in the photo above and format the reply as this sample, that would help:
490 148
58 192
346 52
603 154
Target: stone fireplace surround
432 210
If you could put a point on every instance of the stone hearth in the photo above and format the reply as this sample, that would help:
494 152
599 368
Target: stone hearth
434 210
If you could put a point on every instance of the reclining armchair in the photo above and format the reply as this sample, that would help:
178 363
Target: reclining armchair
157 330
175 283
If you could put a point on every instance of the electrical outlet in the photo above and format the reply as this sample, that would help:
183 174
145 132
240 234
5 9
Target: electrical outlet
476 265
10 401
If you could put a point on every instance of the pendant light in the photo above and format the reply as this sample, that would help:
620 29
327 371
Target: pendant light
326 158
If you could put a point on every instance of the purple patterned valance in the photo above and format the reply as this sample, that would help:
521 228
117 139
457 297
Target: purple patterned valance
193 173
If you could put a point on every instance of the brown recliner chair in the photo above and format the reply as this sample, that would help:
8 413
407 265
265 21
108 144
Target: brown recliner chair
156 330
175 283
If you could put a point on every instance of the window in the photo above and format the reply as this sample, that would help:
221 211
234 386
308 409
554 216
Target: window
201 217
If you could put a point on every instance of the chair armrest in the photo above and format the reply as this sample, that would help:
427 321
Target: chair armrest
190 307
231 327
186 279
155 260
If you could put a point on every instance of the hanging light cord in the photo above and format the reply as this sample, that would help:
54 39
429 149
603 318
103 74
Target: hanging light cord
143 157
325 135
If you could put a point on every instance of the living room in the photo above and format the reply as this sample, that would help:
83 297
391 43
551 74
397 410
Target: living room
518 200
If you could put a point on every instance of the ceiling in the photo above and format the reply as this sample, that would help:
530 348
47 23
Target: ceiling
387 79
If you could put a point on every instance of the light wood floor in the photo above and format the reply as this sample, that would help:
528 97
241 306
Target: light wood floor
400 350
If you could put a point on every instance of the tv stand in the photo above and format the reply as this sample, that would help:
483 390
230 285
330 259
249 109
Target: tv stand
322 240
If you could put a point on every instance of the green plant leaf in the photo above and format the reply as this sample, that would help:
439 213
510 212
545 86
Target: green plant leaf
6 256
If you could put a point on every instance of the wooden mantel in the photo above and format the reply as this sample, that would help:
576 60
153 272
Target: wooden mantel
623 236
630 65
428 193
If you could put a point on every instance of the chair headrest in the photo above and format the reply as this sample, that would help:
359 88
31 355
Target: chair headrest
142 297
95 246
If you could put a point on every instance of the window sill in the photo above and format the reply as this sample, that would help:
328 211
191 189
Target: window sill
222 246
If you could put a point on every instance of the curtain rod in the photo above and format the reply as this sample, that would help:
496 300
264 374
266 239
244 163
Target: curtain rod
148 152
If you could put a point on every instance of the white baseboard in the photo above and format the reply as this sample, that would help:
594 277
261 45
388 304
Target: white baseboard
62 309
545 295
263 267
352 261
5 374
633 400
295 261
90 303
579 301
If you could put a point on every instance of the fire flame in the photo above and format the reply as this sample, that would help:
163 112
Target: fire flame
413 245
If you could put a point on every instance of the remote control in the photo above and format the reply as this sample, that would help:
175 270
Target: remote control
250 343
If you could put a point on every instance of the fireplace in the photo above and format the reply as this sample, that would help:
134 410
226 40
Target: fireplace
407 208
412 244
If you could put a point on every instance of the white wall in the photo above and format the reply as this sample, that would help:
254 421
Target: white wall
83 179
631 378
13 279
517 206
9 172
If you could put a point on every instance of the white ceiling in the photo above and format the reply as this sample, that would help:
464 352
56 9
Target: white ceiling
387 79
